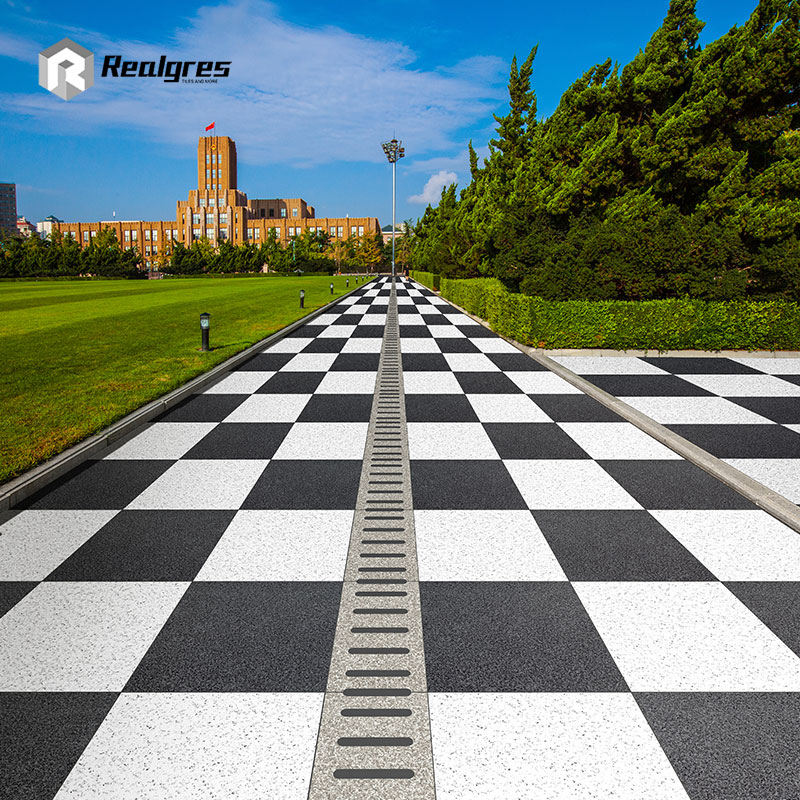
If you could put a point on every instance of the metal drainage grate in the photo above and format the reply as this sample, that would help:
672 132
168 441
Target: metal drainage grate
374 739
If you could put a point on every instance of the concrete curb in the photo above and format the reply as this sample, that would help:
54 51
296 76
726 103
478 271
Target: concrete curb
765 498
39 477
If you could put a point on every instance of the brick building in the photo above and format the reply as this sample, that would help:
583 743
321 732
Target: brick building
8 209
219 211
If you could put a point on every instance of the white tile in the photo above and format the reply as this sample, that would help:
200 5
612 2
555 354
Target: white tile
33 543
547 746
234 745
462 320
269 408
438 301
244 382
373 319
616 440
444 331
449 440
202 484
429 311
694 410
281 546
410 319
404 300
83 636
744 385
310 362
772 366
431 383
289 344
348 301
737 545
363 344
336 332
494 345
328 440
608 365
326 319
163 440
470 362
506 408
567 484
483 546
782 475
358 310
359 382
688 637
419 345
542 383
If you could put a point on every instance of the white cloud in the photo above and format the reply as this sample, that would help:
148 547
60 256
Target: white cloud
432 191
296 95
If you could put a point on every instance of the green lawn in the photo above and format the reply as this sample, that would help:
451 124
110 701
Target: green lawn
76 356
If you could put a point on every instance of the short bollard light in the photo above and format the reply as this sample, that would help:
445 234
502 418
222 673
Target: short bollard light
347 283
205 324
331 288
302 297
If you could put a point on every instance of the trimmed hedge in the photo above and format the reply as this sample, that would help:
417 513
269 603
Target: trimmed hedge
678 324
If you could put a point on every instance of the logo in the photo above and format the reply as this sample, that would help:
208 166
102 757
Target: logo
66 69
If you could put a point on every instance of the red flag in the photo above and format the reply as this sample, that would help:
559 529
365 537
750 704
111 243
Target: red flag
209 127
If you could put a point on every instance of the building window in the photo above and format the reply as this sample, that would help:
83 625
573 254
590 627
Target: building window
283 212
197 233
272 212
257 232
127 236
219 159
294 212
202 201
208 158
155 236
195 219
134 235
155 249
209 219
93 234
223 218
147 250
249 233
208 174
147 235
333 231
340 232
223 233
210 233
360 230
212 201
262 212
174 235
353 230
208 186
86 236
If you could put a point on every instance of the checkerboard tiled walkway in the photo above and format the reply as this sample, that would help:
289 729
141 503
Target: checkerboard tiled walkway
601 618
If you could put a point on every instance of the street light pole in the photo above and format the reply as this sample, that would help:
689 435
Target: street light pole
394 150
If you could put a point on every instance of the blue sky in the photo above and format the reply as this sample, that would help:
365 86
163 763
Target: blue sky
314 89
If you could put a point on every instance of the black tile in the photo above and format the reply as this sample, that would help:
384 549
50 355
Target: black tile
617 546
700 366
306 484
377 309
532 440
515 362
673 484
414 332
458 345
785 410
424 362
439 408
573 408
11 592
229 636
477 332
512 637
147 546
328 344
647 386
99 484
795 379
742 441
347 319
407 309
436 320
203 408
729 745
292 383
307 331
232 440
42 736
363 300
450 484
776 604
447 308
266 362
368 332
337 408
356 362
420 301
486 383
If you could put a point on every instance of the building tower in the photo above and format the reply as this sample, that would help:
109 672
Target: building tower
216 164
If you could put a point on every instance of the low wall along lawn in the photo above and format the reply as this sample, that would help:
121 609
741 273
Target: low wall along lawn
680 324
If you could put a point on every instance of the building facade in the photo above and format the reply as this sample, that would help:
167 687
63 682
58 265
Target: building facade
219 211
8 209
25 227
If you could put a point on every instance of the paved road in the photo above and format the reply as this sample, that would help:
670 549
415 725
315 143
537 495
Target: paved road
601 618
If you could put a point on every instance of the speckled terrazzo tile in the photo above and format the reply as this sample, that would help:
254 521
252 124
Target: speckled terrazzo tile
187 746
782 475
483 546
320 440
771 366
547 746
598 365
34 543
688 637
445 440
693 410
744 385
617 440
163 440
737 545
248 382
89 637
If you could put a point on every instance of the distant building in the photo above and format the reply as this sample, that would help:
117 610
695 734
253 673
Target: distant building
386 230
8 208
220 212
45 227
25 228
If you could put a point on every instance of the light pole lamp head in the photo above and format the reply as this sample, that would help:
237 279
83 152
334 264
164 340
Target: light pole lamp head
205 320
394 150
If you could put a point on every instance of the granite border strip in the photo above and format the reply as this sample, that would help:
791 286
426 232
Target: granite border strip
37 478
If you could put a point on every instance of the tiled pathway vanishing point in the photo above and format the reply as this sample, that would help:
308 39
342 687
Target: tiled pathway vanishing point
600 618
